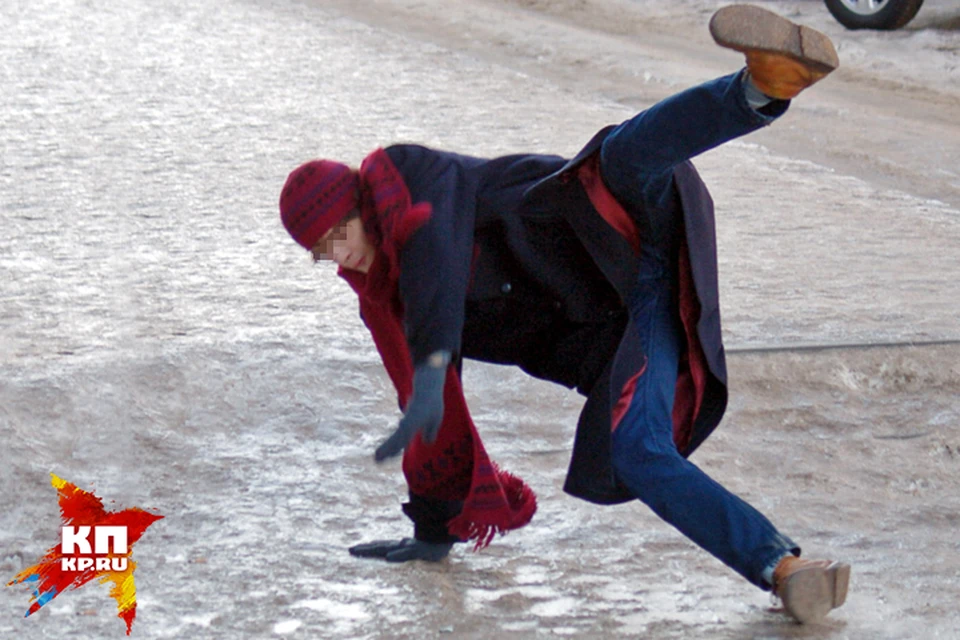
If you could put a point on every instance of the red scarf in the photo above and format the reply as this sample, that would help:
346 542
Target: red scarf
456 466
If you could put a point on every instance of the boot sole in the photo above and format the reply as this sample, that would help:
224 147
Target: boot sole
744 28
810 594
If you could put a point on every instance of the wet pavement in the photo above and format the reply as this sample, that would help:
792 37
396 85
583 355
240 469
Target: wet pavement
165 344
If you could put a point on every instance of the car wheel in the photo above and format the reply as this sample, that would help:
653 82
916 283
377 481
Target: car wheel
873 14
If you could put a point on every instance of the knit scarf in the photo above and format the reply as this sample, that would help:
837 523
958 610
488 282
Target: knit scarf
456 466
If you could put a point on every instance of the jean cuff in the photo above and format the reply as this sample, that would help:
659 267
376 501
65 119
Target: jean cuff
762 115
771 560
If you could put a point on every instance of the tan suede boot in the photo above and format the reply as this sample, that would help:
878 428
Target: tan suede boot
783 58
810 589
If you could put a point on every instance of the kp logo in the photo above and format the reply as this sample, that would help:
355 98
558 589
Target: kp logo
94 543
76 540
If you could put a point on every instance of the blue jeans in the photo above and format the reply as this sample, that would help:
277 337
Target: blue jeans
637 161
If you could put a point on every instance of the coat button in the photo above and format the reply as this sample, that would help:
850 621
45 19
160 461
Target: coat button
506 287
557 305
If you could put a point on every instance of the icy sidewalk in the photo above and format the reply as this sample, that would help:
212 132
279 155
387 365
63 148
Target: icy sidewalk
163 341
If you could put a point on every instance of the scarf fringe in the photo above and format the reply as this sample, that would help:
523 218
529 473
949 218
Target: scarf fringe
481 525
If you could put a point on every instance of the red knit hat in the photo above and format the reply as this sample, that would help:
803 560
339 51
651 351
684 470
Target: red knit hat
316 196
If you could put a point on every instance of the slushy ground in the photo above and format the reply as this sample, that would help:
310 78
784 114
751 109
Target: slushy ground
164 344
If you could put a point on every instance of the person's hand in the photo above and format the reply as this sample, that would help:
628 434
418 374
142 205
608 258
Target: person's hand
424 411
402 550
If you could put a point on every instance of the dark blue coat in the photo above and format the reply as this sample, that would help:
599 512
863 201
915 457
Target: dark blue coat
516 266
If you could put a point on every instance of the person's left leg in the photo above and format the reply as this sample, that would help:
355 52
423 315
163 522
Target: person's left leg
646 459
637 163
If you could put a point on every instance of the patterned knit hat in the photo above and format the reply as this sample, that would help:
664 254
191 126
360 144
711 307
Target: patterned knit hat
316 196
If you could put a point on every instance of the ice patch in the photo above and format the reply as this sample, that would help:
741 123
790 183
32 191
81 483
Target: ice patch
334 609
200 619
531 575
554 608
287 626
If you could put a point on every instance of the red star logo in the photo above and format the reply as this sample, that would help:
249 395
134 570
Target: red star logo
57 572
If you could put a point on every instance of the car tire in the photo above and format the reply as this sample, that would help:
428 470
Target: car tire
873 14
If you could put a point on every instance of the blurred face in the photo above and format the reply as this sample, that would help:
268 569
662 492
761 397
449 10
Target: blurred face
347 245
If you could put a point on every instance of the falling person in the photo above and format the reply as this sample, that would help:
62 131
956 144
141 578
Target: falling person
598 272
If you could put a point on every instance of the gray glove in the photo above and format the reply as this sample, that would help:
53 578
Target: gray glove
424 411
403 550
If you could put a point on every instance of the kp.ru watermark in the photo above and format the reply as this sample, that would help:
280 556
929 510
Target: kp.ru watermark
78 552
94 543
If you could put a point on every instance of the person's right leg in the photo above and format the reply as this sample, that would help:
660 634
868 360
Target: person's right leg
638 157
637 163
783 59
